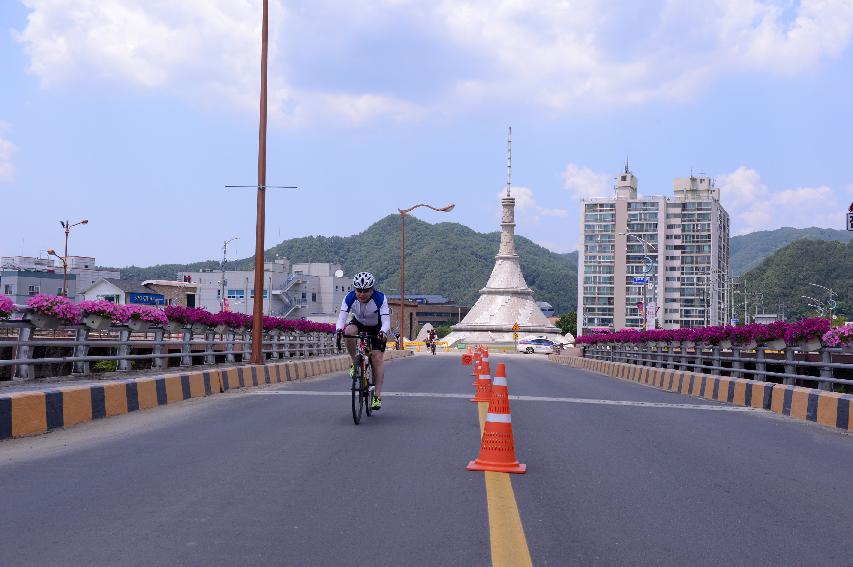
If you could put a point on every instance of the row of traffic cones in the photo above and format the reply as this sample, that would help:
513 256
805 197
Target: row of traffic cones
497 447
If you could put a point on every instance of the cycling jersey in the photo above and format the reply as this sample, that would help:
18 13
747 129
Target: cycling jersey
373 313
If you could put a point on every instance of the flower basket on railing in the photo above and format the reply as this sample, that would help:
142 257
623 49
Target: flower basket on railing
805 334
99 315
141 317
52 311
840 337
7 307
742 337
180 317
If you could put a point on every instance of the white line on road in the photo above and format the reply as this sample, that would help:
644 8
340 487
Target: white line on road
516 398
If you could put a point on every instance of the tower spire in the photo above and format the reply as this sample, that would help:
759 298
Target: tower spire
626 165
509 161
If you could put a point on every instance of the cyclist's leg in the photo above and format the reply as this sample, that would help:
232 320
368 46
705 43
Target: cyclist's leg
350 343
377 359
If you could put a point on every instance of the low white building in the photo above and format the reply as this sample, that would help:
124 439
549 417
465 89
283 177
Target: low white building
122 292
307 291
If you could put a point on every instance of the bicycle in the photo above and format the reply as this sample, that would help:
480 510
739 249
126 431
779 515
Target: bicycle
362 376
432 347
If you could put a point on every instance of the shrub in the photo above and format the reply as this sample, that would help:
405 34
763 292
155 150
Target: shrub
6 307
56 306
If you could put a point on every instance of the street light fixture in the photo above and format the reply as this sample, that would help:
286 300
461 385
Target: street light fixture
831 304
403 213
646 244
67 225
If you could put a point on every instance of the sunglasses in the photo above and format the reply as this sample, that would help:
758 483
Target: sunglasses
366 290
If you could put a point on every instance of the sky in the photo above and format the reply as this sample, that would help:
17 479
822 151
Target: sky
135 114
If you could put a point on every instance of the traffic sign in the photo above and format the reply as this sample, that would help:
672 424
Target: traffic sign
735 321
515 326
640 280
849 221
515 336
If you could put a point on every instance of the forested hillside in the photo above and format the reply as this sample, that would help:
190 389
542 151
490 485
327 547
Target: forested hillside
748 250
446 258
780 281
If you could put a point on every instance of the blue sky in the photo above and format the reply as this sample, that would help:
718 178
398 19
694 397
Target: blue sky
136 113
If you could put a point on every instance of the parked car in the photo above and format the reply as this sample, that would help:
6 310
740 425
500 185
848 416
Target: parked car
540 345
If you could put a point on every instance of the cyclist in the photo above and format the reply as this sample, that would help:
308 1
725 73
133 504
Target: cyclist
370 314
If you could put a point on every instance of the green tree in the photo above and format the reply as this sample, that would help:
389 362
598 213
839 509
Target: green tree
568 323
442 331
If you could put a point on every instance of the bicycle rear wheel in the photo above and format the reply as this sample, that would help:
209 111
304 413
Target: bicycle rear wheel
357 395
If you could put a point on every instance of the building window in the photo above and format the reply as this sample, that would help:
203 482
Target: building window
304 295
7 289
252 294
34 290
236 294
314 297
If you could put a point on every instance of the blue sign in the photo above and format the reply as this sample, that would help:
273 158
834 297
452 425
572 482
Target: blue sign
640 280
735 321
146 298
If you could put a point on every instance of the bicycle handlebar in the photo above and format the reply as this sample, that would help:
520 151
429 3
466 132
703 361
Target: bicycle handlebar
360 335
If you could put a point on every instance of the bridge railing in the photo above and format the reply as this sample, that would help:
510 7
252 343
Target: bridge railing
27 352
825 368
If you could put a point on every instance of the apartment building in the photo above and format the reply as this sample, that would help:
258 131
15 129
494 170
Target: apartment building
654 261
26 276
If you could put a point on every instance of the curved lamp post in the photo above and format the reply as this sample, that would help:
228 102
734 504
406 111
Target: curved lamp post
64 259
646 244
403 213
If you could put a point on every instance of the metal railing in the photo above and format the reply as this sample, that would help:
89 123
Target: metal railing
27 352
789 366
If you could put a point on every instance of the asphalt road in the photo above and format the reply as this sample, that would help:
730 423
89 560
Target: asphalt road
618 474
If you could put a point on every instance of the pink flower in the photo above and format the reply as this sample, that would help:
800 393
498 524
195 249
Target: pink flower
7 306
56 306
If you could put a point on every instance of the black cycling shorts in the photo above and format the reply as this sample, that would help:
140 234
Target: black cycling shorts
375 343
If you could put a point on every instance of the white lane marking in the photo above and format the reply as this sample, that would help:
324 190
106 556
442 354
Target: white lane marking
517 398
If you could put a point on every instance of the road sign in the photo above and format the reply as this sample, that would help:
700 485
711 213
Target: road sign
515 336
735 321
640 280
849 221
515 326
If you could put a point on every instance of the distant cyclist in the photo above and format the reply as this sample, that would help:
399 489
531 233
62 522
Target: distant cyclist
370 314
431 339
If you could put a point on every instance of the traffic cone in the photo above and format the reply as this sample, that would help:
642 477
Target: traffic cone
483 385
497 448
477 360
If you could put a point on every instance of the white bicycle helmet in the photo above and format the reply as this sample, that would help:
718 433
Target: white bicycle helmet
363 280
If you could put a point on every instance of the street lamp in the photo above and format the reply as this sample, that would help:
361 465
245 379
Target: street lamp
222 268
646 244
403 213
51 252
831 304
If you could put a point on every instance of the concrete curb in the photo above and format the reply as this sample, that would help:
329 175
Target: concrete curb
805 404
35 412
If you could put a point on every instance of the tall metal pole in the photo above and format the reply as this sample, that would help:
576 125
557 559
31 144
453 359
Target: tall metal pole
65 261
402 279
258 309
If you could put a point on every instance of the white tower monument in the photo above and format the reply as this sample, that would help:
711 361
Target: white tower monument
506 304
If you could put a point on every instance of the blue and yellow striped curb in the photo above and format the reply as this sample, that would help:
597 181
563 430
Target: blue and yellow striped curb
34 412
806 404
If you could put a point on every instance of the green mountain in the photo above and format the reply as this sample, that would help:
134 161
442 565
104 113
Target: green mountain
748 250
446 258
780 280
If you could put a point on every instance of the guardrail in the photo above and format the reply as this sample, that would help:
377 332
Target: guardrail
830 368
27 352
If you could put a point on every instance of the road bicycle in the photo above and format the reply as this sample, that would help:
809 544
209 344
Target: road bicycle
362 376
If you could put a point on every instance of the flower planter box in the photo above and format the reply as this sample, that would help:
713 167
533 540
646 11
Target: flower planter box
725 344
848 348
42 321
175 326
97 322
809 345
751 345
778 344
138 325
200 329
222 329
688 344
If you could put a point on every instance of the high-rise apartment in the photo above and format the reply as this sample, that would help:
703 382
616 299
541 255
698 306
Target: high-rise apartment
654 261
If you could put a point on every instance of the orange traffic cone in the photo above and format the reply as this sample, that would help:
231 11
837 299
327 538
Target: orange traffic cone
497 448
483 384
477 360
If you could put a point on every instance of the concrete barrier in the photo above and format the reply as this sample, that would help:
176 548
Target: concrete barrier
806 404
34 412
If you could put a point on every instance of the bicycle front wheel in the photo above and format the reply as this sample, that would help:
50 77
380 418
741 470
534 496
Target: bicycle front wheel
368 388
357 395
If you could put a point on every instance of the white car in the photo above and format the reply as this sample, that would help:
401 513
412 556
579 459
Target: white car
540 345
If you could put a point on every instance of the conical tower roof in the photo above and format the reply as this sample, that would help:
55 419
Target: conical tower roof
506 304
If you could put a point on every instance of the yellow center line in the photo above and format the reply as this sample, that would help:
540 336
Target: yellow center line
506 534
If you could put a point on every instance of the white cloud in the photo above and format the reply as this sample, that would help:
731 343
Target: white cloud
528 209
753 206
584 183
7 167
540 52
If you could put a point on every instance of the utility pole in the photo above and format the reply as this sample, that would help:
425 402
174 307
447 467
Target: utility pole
222 269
